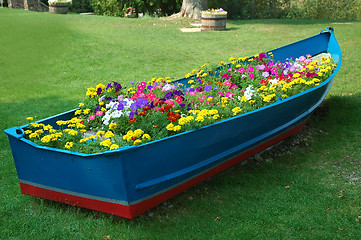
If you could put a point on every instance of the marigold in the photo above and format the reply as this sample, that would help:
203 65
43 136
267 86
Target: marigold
69 145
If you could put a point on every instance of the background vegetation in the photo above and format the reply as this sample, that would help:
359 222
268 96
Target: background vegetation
47 61
237 9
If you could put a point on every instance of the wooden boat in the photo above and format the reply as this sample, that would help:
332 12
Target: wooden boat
131 180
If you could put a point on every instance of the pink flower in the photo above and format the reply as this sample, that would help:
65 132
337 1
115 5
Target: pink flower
152 96
249 69
202 98
91 117
241 70
227 83
251 76
220 93
99 113
229 94
274 71
178 99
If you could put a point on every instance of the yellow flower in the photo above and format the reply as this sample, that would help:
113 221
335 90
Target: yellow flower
81 104
106 143
170 127
114 146
236 110
69 145
177 128
191 81
137 133
86 111
137 142
103 109
199 118
188 75
29 118
112 126
99 133
28 132
109 134
102 86
204 65
146 137
33 135
78 112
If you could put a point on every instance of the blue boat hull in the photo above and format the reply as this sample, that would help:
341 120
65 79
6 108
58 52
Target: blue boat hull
131 180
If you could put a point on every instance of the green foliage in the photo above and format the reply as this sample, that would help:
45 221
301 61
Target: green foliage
325 9
299 9
121 8
80 6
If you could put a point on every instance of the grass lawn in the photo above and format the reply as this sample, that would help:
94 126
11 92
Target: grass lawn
47 62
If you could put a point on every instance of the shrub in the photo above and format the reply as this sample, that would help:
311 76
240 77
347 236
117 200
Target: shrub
121 8
299 9
80 6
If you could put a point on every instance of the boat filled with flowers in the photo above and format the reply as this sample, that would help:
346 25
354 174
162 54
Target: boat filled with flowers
128 148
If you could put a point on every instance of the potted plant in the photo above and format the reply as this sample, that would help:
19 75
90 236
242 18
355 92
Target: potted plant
214 19
59 6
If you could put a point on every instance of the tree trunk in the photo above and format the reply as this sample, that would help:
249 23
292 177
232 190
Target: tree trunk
193 8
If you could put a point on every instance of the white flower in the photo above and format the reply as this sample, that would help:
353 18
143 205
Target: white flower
273 81
249 92
54 2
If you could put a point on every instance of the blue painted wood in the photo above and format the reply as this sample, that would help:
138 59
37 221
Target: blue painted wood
130 175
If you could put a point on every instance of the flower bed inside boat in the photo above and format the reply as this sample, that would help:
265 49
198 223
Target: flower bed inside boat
114 115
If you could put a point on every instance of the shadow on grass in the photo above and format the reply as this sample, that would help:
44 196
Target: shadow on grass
296 22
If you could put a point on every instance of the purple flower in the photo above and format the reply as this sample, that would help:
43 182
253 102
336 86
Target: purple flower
131 115
260 67
108 86
120 106
199 89
117 86
99 91
96 109
133 106
265 74
208 88
141 102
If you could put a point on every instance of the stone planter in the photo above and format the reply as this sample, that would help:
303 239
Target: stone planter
214 22
59 8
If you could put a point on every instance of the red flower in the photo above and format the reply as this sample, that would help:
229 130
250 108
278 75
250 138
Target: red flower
167 107
264 82
160 102
155 126
146 108
173 116
132 120
142 113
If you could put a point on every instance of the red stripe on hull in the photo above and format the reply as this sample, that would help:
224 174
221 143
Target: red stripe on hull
136 209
